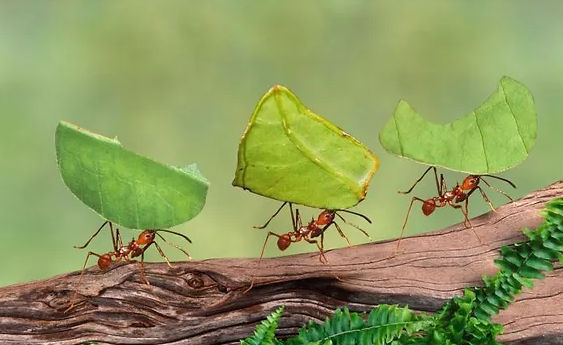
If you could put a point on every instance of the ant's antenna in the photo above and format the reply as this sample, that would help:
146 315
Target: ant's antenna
502 179
495 189
354 225
171 244
354 213
172 232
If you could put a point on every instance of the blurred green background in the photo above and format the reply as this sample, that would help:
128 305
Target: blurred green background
178 80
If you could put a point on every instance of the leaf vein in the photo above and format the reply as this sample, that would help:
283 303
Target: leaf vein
514 117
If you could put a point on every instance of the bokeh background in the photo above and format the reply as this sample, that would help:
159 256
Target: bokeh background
178 80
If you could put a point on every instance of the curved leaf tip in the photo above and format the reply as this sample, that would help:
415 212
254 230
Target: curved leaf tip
496 136
124 187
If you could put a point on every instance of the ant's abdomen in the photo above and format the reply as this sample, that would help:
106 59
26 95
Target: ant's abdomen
104 261
283 242
428 207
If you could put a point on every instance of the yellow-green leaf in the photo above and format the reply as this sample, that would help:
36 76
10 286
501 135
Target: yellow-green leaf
290 154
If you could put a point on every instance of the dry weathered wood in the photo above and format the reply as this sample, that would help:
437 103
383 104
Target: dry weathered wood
202 302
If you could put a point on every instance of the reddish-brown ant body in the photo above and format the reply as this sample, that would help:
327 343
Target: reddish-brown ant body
315 228
454 197
134 249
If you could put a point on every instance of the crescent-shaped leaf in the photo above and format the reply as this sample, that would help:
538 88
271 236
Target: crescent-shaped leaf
290 154
124 187
496 136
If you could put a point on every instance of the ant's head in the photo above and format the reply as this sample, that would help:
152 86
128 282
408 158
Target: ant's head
146 237
326 217
284 241
470 182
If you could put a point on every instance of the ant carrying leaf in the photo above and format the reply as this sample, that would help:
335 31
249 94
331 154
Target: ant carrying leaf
457 197
315 228
134 249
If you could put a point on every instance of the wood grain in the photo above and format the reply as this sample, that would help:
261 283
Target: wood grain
203 302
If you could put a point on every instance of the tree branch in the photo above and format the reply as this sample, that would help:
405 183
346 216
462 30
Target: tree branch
203 302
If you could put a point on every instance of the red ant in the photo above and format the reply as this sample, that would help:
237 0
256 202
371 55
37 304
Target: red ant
134 249
453 197
315 228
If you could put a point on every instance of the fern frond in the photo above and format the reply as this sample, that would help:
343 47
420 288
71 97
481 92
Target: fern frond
456 324
466 320
265 332
521 263
383 325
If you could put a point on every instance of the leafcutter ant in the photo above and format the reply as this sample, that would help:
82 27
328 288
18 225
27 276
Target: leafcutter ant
134 249
315 228
454 197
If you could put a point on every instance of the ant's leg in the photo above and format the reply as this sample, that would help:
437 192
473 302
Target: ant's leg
341 233
163 255
406 220
95 234
272 217
142 270
262 255
322 257
265 242
466 215
465 211
298 222
321 249
320 246
420 179
293 217
173 245
117 240
486 198
443 188
496 189
483 195
114 237
355 226
73 299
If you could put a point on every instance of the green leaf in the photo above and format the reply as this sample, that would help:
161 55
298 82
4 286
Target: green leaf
539 264
496 136
265 332
290 154
124 187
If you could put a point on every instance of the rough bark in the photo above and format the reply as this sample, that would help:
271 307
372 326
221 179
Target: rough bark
203 302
